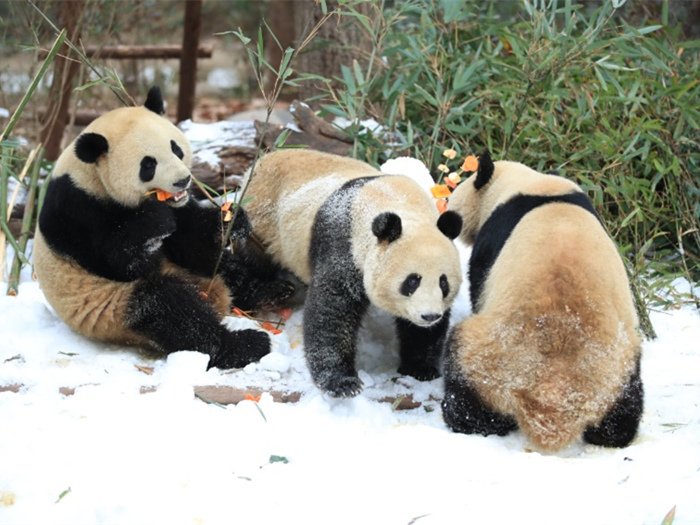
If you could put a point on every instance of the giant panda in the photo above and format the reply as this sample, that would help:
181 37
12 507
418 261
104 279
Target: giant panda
552 345
121 266
357 237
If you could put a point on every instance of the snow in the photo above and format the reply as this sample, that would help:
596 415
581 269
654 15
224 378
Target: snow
104 452
169 457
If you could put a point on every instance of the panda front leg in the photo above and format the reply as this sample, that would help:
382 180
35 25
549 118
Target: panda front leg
173 316
619 426
463 410
421 348
332 319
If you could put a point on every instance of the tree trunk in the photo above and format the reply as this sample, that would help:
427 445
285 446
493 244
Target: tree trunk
280 17
70 17
188 60
340 41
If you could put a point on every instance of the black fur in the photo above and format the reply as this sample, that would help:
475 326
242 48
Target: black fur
173 317
420 348
90 146
129 244
104 237
336 302
154 101
463 409
497 229
197 245
450 224
387 227
485 170
148 168
619 426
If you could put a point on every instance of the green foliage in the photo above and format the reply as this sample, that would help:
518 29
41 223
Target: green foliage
555 86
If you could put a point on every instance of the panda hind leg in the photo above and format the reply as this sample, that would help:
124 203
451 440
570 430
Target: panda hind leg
619 426
254 279
172 315
464 410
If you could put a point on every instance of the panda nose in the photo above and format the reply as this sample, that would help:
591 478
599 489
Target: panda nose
430 318
183 183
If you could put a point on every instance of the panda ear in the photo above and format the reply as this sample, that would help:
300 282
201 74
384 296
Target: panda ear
91 146
154 101
387 226
485 172
450 224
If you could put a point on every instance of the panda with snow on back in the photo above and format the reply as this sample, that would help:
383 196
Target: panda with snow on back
122 266
552 345
357 237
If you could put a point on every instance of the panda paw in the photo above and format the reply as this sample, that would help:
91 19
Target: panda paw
421 371
240 348
342 386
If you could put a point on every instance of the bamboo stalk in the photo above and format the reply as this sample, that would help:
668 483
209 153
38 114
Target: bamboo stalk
35 83
4 231
30 205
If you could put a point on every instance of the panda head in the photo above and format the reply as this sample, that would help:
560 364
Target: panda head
415 271
495 183
130 153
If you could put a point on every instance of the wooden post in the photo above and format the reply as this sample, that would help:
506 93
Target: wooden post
188 60
65 70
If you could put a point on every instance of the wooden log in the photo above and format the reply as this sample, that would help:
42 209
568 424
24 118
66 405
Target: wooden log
123 52
188 60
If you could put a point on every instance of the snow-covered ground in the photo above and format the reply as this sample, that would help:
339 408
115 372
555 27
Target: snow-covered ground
88 435
108 453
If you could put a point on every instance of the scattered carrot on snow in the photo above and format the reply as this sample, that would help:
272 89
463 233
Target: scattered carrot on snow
251 397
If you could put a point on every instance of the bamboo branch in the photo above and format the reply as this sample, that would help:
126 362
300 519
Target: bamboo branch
17 263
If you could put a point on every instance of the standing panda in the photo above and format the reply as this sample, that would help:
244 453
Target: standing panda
122 266
552 346
357 237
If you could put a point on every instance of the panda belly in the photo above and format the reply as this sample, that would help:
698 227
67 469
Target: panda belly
91 305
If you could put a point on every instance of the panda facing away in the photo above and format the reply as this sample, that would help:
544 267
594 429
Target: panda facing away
121 266
552 346
357 237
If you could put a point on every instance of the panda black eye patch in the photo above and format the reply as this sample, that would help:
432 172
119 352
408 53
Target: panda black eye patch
148 169
410 284
177 150
444 285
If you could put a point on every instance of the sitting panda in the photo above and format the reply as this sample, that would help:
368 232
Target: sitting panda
357 237
121 266
552 346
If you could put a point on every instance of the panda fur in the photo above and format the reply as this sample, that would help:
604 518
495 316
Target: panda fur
119 266
357 237
552 346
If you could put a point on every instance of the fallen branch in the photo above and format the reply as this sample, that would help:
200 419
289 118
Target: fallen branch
231 395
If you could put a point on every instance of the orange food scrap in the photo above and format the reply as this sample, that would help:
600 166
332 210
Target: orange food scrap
251 397
271 329
440 191
228 216
471 163
285 313
441 205
237 312
226 206
163 195
443 168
